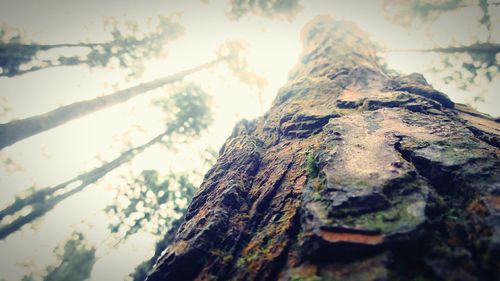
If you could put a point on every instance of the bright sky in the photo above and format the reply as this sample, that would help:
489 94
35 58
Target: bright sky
61 153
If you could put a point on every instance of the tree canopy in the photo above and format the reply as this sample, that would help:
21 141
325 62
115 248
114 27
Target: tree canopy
127 48
462 63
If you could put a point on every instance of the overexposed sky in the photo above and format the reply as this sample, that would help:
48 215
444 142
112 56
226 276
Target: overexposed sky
59 154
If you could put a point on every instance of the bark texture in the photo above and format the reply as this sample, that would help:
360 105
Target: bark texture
351 175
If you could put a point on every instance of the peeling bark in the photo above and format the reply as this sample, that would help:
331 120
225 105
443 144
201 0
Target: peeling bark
351 175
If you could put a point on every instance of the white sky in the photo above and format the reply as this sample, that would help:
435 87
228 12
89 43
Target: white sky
61 153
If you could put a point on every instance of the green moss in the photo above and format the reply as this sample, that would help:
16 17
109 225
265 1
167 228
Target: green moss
315 196
397 216
312 166
308 278
255 254
452 214
226 258
240 262
243 261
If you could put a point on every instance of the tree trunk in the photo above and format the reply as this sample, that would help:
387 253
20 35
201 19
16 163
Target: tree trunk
477 48
17 130
45 199
351 175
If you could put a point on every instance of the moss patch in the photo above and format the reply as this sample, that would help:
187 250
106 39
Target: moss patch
405 214
312 165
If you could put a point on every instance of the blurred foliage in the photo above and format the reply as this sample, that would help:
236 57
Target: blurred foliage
236 53
76 259
187 113
13 53
425 12
4 107
9 165
409 12
148 203
187 110
276 9
130 49
142 270
466 66
156 204
151 203
466 69
127 48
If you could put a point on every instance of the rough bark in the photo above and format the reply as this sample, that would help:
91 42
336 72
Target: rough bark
17 130
351 175
143 269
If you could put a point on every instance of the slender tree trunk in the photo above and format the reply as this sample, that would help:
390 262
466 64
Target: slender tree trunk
351 175
22 52
45 67
47 198
45 47
17 130
478 48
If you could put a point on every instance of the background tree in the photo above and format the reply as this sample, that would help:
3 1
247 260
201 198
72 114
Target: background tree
187 115
279 9
38 202
231 52
462 64
17 130
75 261
127 48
